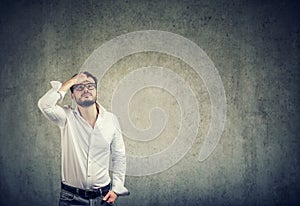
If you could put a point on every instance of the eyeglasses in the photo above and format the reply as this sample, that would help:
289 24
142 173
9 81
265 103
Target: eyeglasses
80 87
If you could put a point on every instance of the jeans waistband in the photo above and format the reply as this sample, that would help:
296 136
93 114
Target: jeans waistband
86 193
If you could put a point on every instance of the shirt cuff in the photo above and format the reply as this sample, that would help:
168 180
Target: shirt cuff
56 85
119 189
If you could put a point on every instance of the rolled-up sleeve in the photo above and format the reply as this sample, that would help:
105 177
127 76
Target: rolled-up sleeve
48 104
118 161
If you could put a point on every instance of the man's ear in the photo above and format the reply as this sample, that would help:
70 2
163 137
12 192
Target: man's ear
72 95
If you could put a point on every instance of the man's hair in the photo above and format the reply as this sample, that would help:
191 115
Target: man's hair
88 75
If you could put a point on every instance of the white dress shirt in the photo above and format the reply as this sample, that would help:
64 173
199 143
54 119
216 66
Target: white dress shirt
86 151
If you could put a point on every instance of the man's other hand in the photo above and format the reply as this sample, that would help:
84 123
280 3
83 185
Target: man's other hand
110 197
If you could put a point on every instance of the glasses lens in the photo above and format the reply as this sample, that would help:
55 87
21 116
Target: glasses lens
79 87
90 86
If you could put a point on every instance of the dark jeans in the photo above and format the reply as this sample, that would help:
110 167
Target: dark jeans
69 199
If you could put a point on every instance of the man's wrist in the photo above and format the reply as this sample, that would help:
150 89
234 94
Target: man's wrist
115 193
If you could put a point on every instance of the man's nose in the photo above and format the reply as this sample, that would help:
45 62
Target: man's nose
85 89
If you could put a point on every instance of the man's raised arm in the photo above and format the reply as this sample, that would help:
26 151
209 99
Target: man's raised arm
48 103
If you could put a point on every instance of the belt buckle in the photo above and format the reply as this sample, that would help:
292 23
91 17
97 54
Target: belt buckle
100 190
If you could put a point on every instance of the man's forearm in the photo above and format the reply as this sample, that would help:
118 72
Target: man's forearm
118 173
48 104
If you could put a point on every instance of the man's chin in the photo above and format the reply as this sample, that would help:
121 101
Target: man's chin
86 103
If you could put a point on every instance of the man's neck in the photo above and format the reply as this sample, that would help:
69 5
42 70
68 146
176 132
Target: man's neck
89 113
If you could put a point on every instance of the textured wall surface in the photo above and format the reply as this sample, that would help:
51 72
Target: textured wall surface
253 44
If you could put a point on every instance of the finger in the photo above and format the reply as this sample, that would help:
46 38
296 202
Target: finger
80 75
112 199
106 197
77 75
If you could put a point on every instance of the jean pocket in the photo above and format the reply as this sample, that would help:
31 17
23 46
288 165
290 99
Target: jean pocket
104 192
106 204
66 196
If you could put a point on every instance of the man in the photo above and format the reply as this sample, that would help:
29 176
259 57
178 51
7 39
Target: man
89 136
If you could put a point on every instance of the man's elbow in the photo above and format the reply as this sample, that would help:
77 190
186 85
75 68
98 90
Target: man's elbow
40 104
43 105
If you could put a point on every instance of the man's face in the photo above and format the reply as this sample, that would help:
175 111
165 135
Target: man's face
85 92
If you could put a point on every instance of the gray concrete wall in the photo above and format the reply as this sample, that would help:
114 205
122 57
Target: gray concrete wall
253 44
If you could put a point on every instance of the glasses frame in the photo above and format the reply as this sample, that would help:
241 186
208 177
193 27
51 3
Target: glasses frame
88 85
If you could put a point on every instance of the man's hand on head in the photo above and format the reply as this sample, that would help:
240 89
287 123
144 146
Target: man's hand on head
77 79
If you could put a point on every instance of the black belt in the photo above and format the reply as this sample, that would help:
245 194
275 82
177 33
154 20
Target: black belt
88 193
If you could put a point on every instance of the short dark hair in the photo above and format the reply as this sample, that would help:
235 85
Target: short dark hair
88 75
